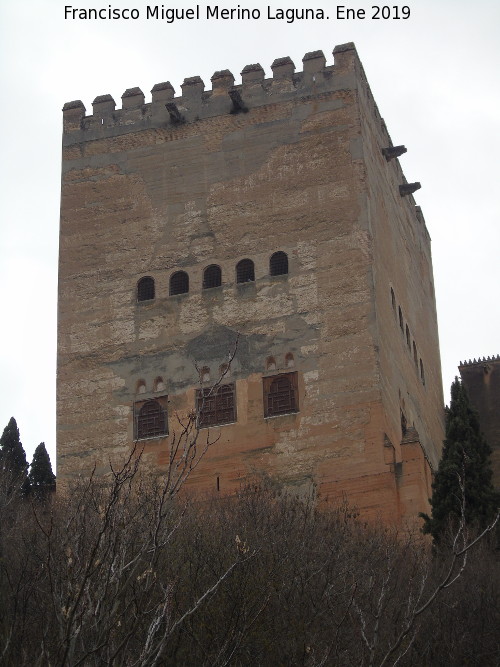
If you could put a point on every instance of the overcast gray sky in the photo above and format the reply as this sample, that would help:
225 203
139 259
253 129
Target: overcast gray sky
435 77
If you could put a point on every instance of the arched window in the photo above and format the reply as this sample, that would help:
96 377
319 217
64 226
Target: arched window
151 420
216 406
140 387
289 360
212 276
146 289
270 364
278 264
280 395
158 384
205 374
224 370
179 283
400 318
245 272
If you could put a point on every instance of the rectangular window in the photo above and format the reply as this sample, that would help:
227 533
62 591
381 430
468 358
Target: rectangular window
216 405
280 394
150 418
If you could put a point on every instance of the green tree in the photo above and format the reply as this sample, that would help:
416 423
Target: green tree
12 454
462 486
41 479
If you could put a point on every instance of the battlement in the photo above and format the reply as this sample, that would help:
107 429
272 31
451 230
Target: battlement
196 103
484 360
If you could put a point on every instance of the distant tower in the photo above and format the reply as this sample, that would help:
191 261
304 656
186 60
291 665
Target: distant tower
482 381
275 210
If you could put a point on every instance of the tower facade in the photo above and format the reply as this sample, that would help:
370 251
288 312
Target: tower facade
482 381
267 224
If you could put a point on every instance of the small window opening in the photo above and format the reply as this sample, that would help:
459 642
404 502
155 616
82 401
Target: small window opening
224 370
212 276
280 395
205 374
158 384
270 364
146 289
245 272
141 387
179 283
278 264
289 360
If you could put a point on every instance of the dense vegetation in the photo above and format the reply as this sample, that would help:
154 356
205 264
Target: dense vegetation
130 575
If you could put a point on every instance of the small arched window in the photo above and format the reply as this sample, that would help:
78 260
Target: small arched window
289 360
205 374
158 384
245 272
146 289
151 420
179 283
278 264
224 370
212 276
270 364
140 387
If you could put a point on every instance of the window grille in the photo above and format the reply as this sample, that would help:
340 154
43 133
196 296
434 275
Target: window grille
179 283
146 289
245 271
280 395
216 406
278 264
212 276
150 419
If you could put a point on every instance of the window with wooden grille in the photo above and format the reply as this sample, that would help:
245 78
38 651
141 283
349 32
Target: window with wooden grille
212 276
179 283
150 418
146 289
245 271
278 264
216 405
280 395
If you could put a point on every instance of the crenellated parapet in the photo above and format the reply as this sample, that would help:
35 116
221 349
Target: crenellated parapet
195 103
479 360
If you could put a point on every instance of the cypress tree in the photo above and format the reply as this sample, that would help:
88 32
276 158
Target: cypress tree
41 479
12 454
464 472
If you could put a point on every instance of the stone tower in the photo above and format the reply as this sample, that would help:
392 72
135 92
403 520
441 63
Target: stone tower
482 381
274 212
